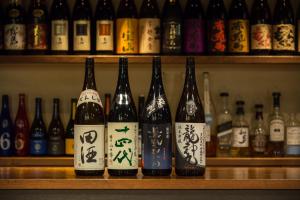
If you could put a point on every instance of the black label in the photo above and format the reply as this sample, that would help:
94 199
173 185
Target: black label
172 37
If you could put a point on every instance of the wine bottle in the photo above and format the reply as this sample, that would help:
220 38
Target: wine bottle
60 26
38 28
69 139
261 28
292 136
157 128
105 16
123 128
6 129
21 129
141 109
284 36
238 42
106 110
14 28
194 28
38 134
82 30
172 31
149 28
89 128
190 127
127 28
216 27
56 133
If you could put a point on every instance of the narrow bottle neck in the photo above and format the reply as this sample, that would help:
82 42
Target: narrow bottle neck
240 111
190 80
259 115
225 104
156 82
73 109
38 109
55 111
123 81
21 109
89 80
5 105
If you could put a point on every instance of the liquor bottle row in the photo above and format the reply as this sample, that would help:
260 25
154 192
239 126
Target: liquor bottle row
173 32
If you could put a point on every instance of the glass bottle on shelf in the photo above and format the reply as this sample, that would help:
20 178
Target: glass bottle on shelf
1 31
69 139
107 103
298 29
292 146
141 109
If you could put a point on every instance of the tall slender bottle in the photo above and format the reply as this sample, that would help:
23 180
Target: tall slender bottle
172 28
107 104
298 29
123 128
216 27
190 128
38 133
82 27
127 28
15 28
277 129
6 129
194 28
284 31
104 19
157 128
69 138
238 42
60 27
141 109
21 129
56 132
38 36
261 28
1 31
149 28
292 145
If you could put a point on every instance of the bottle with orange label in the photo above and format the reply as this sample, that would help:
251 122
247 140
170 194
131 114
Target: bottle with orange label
127 28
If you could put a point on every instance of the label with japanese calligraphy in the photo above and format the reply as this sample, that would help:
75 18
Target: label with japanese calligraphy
190 142
261 37
284 37
194 36
37 37
172 36
217 36
238 36
14 36
127 36
82 35
60 35
277 130
293 136
157 146
89 96
240 137
89 147
149 34
105 35
122 145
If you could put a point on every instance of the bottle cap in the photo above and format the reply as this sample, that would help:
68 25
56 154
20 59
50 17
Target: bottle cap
224 94
240 103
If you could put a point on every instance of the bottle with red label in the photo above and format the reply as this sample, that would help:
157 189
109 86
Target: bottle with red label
38 28
22 129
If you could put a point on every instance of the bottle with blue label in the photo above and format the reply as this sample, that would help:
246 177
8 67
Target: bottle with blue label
6 129
38 133
292 137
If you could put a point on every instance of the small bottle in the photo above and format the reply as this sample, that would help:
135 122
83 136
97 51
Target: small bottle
69 139
292 137
141 109
107 104
240 137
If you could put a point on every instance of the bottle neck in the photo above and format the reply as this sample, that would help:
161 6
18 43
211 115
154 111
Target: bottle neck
156 82
123 82
21 109
73 109
225 104
89 80
38 109
259 115
240 111
55 110
5 105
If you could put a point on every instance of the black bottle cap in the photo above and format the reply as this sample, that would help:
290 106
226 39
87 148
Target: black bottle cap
276 94
56 100
224 94
240 103
259 106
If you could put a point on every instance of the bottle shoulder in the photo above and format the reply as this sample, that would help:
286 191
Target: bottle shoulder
89 113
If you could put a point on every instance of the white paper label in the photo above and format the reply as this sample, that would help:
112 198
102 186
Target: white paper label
14 36
284 37
240 137
59 35
190 140
82 35
105 35
293 136
89 95
89 147
277 131
149 33
122 145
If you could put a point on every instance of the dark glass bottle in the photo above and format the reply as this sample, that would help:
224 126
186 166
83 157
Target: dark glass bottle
38 134
157 128
189 127
261 28
15 28
69 139
127 28
172 31
298 29
194 28
216 28
56 133
149 28
82 27
107 104
6 129
105 16
141 109
284 35
89 128
1 31
38 36
60 27
21 129
238 41
123 128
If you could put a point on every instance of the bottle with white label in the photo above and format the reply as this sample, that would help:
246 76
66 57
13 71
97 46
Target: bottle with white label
240 137
292 137
189 127
277 128
89 128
